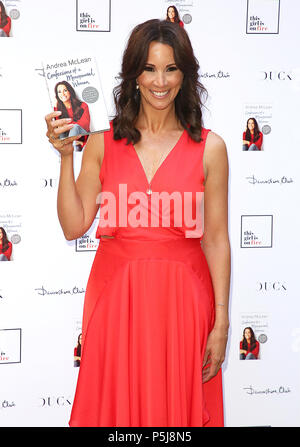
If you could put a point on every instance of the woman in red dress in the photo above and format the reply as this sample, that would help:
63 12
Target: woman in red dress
155 317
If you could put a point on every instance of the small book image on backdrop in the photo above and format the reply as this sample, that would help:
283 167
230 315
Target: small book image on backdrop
74 87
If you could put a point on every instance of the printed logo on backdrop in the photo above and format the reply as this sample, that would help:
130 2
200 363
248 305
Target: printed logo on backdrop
10 346
49 182
268 391
263 16
88 242
271 286
10 126
8 184
253 329
93 15
284 180
184 9
218 74
43 291
55 401
290 78
257 125
6 404
276 75
256 231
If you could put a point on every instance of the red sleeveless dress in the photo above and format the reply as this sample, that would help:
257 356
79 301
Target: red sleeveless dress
149 303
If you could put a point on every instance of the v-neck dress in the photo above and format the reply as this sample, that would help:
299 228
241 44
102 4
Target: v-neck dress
149 303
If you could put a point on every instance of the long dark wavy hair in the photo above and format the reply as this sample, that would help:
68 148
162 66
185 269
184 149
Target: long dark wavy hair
256 134
3 16
176 18
75 102
188 102
5 241
252 340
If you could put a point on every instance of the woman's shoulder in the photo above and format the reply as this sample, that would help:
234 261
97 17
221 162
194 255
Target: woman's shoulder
215 142
215 154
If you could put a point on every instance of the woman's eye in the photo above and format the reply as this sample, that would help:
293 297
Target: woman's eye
148 68
172 68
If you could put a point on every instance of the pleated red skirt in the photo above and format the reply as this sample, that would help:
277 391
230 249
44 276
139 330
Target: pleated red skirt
149 308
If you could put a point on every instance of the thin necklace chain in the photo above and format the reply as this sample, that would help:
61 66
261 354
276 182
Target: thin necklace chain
149 190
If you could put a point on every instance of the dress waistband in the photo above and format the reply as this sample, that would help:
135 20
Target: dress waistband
172 248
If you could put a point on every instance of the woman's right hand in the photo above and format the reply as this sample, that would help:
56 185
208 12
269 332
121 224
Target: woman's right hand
57 126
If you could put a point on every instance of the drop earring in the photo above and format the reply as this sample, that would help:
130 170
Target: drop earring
137 93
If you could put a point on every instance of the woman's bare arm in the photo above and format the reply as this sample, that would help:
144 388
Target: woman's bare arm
76 200
216 246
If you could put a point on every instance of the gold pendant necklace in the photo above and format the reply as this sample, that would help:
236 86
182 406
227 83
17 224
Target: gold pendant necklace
149 189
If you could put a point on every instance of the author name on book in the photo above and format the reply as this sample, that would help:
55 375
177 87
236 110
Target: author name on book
70 62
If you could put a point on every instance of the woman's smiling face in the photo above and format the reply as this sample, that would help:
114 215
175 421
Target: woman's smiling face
251 125
171 13
247 334
63 93
161 79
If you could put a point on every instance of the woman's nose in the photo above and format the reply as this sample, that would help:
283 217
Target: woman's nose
160 79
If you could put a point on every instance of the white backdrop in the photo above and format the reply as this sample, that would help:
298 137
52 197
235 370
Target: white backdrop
249 70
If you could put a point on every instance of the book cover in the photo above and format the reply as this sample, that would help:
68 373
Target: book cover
74 87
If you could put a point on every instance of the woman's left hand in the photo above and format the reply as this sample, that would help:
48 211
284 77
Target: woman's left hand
214 354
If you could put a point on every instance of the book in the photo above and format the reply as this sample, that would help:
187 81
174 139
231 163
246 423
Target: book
74 87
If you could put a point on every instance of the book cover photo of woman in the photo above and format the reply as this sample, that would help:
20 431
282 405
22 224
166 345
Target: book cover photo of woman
252 137
77 352
5 21
249 346
5 246
173 16
72 108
